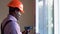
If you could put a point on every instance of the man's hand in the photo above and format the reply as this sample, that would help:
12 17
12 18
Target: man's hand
26 32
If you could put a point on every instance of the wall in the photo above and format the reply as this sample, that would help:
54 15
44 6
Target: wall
27 19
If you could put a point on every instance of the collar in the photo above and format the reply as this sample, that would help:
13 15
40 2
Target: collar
12 18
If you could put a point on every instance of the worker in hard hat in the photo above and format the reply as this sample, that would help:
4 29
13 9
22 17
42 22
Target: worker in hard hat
9 24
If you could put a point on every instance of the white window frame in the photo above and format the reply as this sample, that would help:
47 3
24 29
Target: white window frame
56 16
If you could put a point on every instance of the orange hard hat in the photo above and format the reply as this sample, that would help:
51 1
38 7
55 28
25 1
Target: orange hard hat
16 3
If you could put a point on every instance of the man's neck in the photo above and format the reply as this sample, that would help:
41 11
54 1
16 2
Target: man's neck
14 16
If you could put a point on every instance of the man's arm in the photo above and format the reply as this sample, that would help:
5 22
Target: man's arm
14 28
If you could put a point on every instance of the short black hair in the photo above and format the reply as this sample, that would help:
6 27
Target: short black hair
12 9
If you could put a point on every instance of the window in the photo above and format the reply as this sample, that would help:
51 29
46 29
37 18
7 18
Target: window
44 17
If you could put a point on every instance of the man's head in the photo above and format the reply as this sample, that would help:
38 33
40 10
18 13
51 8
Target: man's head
15 12
15 7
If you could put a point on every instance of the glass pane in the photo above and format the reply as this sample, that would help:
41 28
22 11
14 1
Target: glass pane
50 17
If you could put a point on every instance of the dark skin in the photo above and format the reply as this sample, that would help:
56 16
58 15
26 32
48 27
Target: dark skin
14 12
25 32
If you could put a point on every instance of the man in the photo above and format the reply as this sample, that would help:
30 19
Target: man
9 24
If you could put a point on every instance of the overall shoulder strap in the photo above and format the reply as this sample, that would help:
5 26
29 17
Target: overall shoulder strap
2 29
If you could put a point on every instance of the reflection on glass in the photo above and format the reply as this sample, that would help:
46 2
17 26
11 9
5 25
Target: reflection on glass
50 17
